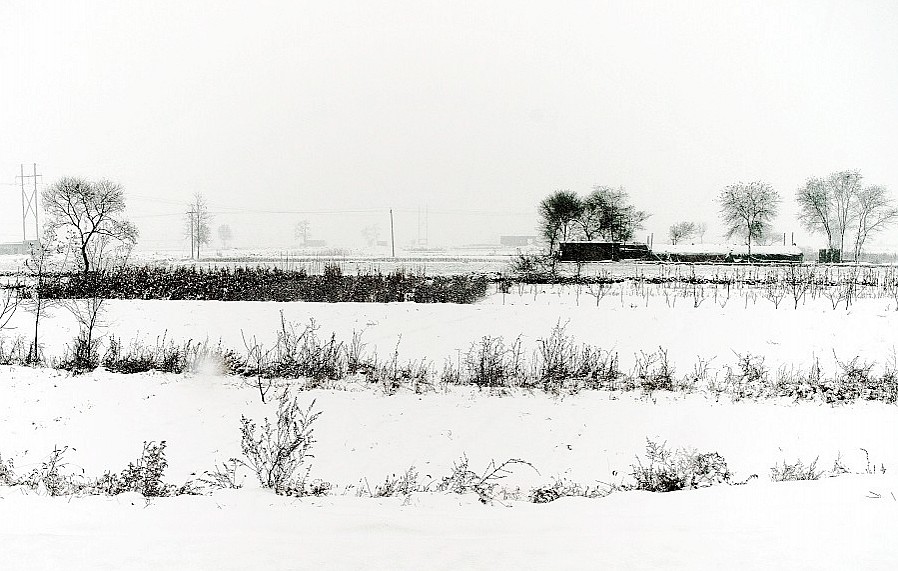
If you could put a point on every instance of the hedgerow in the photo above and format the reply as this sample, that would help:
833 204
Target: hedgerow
263 284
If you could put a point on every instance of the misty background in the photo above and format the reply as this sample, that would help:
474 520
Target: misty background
460 116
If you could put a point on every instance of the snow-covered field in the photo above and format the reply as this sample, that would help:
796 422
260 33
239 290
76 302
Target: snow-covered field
363 436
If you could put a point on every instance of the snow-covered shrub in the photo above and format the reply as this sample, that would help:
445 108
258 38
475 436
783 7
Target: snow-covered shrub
392 375
401 485
276 454
144 476
670 470
532 268
563 488
166 356
490 363
49 477
222 477
751 380
557 359
796 471
653 371
885 387
463 480
14 352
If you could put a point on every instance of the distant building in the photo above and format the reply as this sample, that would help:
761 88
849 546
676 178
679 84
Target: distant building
584 251
315 243
17 248
517 241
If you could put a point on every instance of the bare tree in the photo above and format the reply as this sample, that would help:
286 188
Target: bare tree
88 313
748 208
681 231
558 215
701 229
225 234
592 212
90 214
196 223
606 212
874 210
39 264
620 219
816 210
844 187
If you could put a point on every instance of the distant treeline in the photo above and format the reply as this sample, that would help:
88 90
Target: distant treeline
264 284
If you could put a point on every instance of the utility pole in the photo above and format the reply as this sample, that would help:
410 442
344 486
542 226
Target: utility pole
190 212
392 235
29 202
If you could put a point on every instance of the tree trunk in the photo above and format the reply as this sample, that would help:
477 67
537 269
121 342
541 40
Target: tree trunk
85 259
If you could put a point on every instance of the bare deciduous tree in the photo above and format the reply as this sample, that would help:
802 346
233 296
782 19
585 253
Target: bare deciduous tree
874 210
681 231
816 208
39 264
844 188
225 234
88 313
618 219
91 216
196 223
558 214
748 208
701 229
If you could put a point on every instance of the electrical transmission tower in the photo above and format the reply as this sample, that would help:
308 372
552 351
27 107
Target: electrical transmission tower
29 201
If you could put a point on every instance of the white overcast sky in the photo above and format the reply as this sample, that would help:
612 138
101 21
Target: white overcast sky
476 110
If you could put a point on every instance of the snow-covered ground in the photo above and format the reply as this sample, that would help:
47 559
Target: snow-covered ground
363 436
629 324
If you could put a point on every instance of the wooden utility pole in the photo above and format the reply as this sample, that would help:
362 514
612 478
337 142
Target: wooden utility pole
392 235
190 212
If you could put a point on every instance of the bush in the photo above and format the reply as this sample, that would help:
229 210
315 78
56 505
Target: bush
667 471
49 477
562 488
143 476
751 380
653 372
401 485
277 453
82 356
463 480
489 363
165 356
795 471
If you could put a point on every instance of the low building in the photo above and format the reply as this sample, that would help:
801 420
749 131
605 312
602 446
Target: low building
602 251
517 241
17 248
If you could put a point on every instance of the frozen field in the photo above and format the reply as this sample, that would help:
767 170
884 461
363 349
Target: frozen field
363 436
628 324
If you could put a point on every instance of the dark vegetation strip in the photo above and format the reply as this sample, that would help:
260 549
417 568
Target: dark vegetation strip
264 284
